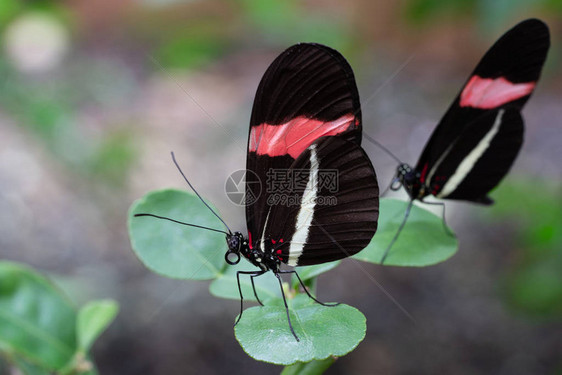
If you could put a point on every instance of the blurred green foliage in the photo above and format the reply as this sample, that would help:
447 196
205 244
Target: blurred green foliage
41 332
194 42
289 22
490 15
9 9
113 158
48 108
533 281
420 11
191 51
186 43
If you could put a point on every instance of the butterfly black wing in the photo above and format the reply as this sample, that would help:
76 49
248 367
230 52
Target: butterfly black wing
503 80
308 92
480 157
335 211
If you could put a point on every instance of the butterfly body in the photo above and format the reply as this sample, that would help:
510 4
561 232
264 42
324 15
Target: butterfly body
476 142
239 246
311 190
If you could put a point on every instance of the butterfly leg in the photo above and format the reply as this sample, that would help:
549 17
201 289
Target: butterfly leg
254 286
399 230
445 226
252 273
286 306
307 292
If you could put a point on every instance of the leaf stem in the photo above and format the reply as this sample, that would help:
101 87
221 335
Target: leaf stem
309 368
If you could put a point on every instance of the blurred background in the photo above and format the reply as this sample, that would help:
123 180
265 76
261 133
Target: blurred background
95 94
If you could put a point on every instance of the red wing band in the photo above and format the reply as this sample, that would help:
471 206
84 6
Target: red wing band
294 136
489 93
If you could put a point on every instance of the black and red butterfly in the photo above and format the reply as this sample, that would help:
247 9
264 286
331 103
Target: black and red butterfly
305 124
477 140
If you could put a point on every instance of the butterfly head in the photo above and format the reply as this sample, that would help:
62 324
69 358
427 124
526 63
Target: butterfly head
406 176
235 244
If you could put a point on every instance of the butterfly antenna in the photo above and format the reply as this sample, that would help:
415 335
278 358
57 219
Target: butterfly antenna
181 222
195 191
379 145
408 209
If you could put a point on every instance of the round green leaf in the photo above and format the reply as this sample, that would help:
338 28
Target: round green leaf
423 240
37 323
264 334
226 286
172 249
93 319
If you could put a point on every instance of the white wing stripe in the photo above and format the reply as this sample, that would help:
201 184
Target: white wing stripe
306 212
262 242
432 171
470 160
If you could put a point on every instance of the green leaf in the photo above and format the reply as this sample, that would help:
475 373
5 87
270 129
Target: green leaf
36 321
226 286
92 320
172 249
310 272
423 240
263 332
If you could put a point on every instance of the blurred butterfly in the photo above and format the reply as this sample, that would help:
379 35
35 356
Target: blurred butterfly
477 140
